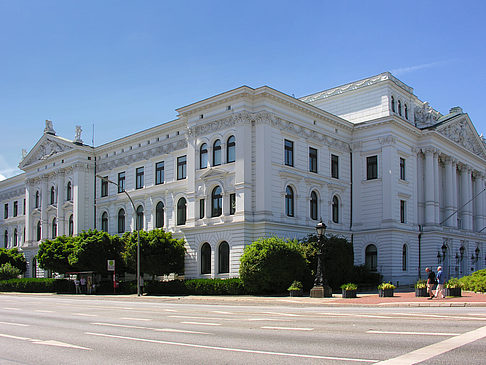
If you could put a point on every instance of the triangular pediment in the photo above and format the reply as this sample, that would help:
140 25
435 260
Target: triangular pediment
47 147
461 131
213 173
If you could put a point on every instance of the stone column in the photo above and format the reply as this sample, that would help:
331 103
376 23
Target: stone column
60 200
44 204
437 188
465 197
455 198
429 187
79 197
449 197
28 221
478 202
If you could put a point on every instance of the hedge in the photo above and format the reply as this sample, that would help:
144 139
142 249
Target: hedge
475 282
196 287
37 285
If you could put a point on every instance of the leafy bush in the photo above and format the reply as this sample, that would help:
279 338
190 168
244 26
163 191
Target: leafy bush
268 265
196 287
7 271
173 287
37 285
384 286
453 283
14 257
475 282
349 286
296 285
364 277
421 284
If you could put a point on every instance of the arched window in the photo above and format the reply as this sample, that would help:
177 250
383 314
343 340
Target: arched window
393 104
5 239
289 201
54 228
335 209
15 237
139 222
206 259
104 222
69 192
159 215
121 221
203 156
231 149
71 225
371 257
217 153
181 211
216 202
399 107
39 231
404 258
223 258
37 199
53 195
406 111
313 206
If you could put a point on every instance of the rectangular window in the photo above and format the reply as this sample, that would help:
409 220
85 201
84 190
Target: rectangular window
372 167
5 215
289 153
104 186
201 208
121 182
402 211
181 167
159 173
312 159
24 210
335 166
139 177
232 204
15 208
402 168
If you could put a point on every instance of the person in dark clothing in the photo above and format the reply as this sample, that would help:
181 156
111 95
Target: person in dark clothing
431 281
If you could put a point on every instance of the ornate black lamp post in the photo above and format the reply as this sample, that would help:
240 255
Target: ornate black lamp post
320 289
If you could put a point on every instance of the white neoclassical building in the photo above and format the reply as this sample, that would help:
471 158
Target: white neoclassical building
400 180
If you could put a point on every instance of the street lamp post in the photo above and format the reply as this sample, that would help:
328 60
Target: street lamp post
138 232
320 289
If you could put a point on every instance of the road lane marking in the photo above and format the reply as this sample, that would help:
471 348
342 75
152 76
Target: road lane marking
15 337
207 318
11 309
136 319
288 328
414 333
283 314
286 354
44 342
15 324
170 310
149 328
354 315
441 316
438 348
43 311
203 323
269 320
231 319
85 314
221 312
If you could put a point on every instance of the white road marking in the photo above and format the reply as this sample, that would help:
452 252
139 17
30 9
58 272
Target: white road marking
269 319
414 333
354 315
150 328
221 312
170 310
438 348
44 342
207 318
15 337
283 314
136 319
233 349
15 324
180 331
11 309
288 328
203 323
85 314
43 311
440 316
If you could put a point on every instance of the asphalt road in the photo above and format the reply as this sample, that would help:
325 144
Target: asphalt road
39 329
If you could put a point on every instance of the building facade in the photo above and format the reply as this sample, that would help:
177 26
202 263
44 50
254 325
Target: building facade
400 180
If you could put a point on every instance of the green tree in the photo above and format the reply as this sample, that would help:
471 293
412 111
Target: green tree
53 254
14 257
7 271
270 265
160 253
92 250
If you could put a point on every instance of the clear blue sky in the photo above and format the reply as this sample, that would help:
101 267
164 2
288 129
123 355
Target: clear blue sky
125 66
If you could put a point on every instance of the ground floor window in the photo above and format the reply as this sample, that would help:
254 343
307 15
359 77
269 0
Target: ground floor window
371 257
206 259
223 257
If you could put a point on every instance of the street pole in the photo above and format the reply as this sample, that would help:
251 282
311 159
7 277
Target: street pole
138 232
320 289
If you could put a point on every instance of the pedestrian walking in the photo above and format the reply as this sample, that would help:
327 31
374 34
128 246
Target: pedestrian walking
431 281
440 283
82 281
76 284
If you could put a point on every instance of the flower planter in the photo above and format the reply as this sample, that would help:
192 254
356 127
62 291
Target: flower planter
295 293
453 292
421 292
349 293
385 292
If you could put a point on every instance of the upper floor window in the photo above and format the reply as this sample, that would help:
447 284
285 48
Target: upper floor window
159 173
335 209
104 186
104 222
393 104
203 156
289 152
372 167
5 212
139 223
181 167
312 159
402 168
15 208
335 166
217 153
139 177
232 204
53 195
289 201
15 237
71 225
406 111
5 239
313 206
121 182
159 215
216 202
39 231
402 211
399 108
121 220
54 228
201 208
181 211
231 149
69 191
37 199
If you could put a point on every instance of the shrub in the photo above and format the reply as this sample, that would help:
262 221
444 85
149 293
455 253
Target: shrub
365 278
453 283
195 287
349 286
475 282
384 286
37 285
269 265
7 271
296 285
421 284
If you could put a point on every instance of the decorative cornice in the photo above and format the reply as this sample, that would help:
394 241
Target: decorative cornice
12 193
387 140
461 133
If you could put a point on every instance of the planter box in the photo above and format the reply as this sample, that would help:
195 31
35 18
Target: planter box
453 292
295 293
421 292
349 293
386 292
